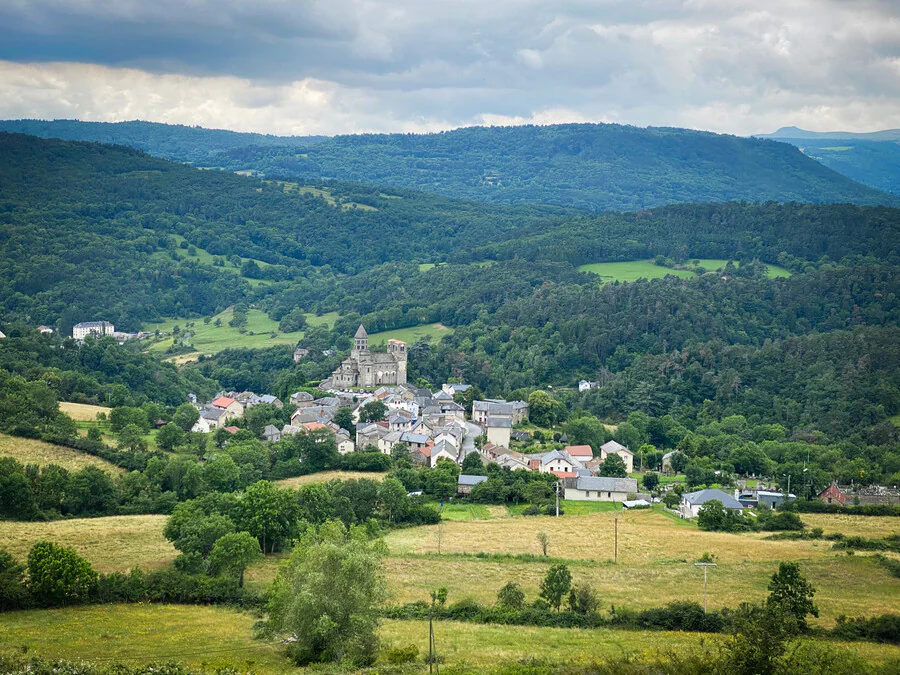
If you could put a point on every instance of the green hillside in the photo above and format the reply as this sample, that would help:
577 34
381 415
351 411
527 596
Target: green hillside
171 141
598 167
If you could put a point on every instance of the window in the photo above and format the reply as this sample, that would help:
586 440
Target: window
609 494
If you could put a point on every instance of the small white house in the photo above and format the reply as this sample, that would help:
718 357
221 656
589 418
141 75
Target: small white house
498 430
692 501
201 426
558 462
614 448
584 385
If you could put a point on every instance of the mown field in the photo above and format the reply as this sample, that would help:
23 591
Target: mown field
115 543
326 476
33 451
209 338
646 269
81 412
433 330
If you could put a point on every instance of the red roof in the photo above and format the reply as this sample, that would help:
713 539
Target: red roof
565 474
312 426
579 451
232 430
223 402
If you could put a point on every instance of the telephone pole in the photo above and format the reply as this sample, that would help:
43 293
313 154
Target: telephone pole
616 547
557 499
705 567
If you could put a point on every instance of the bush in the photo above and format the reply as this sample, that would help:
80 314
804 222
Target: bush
400 655
884 628
782 520
59 576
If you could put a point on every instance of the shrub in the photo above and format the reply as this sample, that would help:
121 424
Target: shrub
59 576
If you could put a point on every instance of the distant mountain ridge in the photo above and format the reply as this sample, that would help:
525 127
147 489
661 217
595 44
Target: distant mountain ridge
796 132
597 167
169 141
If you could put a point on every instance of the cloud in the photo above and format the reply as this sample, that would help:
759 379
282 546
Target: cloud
327 66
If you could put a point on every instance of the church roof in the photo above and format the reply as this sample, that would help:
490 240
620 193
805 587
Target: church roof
361 332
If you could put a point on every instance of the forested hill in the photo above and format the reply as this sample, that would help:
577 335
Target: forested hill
89 231
170 141
599 167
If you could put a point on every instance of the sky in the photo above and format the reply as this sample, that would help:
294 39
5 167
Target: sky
346 66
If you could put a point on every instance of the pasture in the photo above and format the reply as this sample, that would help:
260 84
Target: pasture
646 269
218 638
81 412
33 451
112 544
208 338
435 331
326 476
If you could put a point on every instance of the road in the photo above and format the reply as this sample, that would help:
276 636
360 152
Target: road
473 431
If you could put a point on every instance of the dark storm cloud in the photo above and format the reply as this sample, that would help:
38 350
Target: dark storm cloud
737 65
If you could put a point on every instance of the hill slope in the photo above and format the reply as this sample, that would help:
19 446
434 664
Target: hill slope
795 132
598 167
171 141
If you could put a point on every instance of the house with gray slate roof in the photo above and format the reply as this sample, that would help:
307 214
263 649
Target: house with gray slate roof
465 483
600 489
692 501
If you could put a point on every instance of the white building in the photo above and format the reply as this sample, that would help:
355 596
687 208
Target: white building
96 328
600 489
613 448
692 501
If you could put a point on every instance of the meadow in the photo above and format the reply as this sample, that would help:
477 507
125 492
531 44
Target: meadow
218 638
646 269
325 476
435 331
33 451
82 412
208 338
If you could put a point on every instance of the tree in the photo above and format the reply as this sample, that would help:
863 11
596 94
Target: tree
679 462
392 500
650 480
544 410
671 499
91 491
58 575
344 419
131 438
233 553
292 321
511 596
12 583
327 597
555 585
583 599
613 466
123 416
791 594
186 416
544 540
170 436
269 514
373 411
472 465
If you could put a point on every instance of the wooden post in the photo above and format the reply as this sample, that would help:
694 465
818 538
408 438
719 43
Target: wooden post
616 554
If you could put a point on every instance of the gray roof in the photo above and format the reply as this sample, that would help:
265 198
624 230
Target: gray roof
702 496
612 446
414 438
442 396
499 423
465 479
212 413
361 332
493 407
604 484
443 446
268 398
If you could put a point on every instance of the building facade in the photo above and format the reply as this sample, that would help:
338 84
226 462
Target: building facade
366 369
96 328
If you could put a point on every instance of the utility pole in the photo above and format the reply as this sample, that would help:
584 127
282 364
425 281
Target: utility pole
705 567
557 499
616 547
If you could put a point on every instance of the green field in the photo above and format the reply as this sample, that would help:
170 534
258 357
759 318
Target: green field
409 335
205 258
646 269
209 338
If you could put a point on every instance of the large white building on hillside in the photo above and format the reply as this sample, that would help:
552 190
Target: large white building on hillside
96 328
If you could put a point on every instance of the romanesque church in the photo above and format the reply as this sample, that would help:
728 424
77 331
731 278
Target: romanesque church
371 369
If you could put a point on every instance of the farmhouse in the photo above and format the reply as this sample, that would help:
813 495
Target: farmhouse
231 407
692 501
613 448
598 489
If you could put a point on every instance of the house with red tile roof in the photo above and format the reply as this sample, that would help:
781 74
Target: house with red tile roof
233 409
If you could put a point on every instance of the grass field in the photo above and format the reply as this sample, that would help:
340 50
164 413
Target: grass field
326 476
646 269
433 330
217 638
212 637
209 338
116 543
205 258
81 412
32 451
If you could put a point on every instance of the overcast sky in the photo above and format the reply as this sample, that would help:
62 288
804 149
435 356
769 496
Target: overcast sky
343 66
